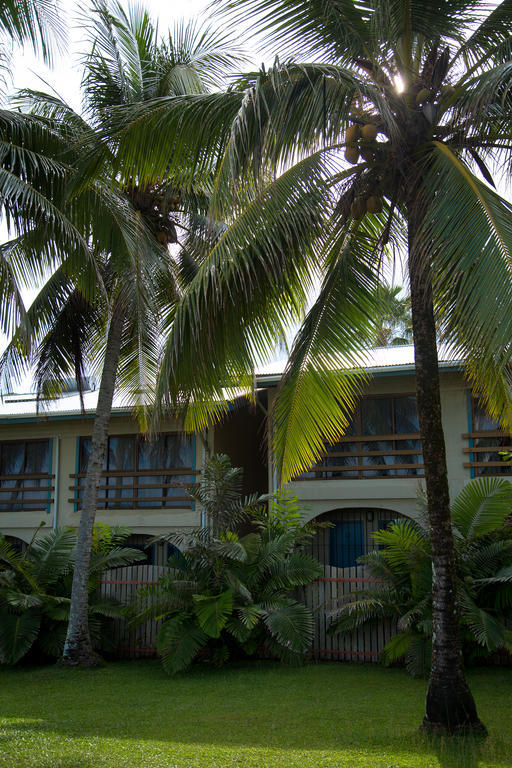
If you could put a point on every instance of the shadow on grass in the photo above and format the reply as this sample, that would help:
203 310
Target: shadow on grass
323 710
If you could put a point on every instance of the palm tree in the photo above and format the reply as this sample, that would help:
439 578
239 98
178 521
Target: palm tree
417 96
113 304
395 325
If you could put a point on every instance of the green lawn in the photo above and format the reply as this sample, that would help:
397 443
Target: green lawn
131 715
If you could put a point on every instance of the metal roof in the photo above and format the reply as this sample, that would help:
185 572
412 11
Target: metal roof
379 361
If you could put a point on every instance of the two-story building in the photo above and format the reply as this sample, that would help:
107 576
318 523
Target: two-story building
368 477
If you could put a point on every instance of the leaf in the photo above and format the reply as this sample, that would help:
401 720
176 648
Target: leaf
485 628
213 611
291 624
325 374
51 555
467 232
178 640
52 638
18 632
483 505
397 647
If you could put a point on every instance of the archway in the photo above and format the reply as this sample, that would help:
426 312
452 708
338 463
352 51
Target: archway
18 544
349 535
157 552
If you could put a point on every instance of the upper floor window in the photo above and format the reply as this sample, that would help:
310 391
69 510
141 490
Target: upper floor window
383 440
25 480
486 440
141 474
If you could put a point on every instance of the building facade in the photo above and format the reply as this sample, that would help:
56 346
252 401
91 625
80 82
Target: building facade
373 474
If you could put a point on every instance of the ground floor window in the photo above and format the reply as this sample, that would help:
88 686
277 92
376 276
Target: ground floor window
157 552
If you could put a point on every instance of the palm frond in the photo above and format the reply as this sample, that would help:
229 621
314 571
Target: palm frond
468 226
51 555
253 283
18 632
482 506
290 623
325 375
38 22
178 641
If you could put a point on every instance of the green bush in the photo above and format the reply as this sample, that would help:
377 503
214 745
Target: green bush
483 559
35 590
227 594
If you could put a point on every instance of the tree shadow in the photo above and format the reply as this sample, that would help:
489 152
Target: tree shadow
459 751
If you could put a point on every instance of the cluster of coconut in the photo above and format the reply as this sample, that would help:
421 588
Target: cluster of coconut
365 204
359 140
356 141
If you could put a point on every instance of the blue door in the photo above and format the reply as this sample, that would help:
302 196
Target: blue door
346 543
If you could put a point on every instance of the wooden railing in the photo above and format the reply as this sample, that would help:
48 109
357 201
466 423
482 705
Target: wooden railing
324 471
16 499
478 463
122 489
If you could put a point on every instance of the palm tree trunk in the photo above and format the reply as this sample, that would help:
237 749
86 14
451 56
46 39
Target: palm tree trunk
78 649
449 704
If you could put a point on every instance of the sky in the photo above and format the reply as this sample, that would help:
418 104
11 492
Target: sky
65 75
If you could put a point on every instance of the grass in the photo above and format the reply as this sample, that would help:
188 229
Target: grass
131 715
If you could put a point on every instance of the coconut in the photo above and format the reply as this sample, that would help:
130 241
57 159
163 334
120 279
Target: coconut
358 208
352 134
423 95
369 132
352 155
161 236
447 90
374 204
368 154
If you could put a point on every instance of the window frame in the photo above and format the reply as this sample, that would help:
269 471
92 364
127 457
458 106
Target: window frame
20 503
474 450
135 502
360 470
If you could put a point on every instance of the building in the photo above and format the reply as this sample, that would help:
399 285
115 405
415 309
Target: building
369 477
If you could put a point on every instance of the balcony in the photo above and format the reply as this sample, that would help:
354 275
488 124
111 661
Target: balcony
383 441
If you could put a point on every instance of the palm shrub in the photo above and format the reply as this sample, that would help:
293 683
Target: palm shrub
35 590
482 533
225 593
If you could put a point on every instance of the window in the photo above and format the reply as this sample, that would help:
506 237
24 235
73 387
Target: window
486 440
25 480
383 440
142 474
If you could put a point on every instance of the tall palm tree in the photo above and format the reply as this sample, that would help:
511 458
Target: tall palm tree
114 304
417 95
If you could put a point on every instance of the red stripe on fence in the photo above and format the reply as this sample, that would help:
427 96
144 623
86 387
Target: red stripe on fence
120 581
348 580
323 579
345 653
137 650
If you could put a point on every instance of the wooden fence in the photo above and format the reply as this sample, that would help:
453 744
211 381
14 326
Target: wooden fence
124 584
323 596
